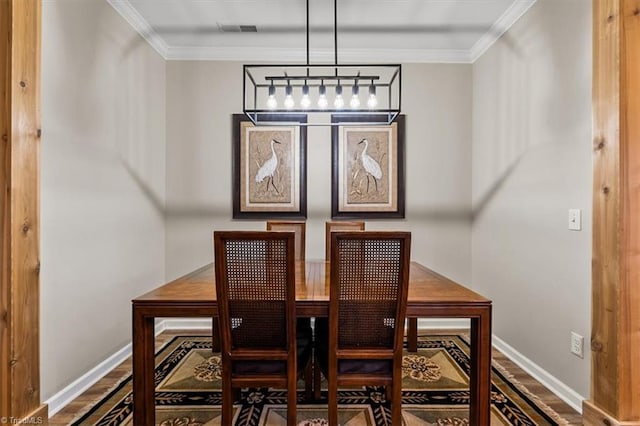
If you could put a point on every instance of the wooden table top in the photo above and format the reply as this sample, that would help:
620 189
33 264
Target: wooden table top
312 285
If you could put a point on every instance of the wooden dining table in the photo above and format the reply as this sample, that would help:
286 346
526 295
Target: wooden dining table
193 295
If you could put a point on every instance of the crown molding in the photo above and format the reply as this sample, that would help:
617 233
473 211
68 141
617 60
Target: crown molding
501 26
142 27
318 56
261 54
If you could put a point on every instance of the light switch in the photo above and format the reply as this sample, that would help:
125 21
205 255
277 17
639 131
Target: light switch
575 219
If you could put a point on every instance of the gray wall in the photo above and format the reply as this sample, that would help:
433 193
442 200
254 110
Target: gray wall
136 175
102 187
201 96
531 163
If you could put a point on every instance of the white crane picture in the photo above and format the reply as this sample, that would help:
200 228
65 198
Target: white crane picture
268 168
370 165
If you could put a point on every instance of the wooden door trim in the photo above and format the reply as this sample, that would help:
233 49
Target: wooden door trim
20 209
615 362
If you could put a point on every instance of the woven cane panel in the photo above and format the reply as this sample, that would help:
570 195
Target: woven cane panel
257 284
369 280
297 228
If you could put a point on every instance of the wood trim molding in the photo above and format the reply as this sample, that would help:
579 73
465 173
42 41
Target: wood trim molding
615 370
39 416
5 130
20 208
629 318
592 415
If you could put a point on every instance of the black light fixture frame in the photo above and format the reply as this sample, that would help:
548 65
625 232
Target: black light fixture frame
294 76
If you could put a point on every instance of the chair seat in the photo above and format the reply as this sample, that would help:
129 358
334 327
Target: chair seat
304 342
350 366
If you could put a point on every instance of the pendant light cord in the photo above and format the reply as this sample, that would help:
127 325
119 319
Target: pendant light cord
335 32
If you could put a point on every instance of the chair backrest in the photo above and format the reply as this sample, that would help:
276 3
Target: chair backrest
334 226
255 287
297 226
368 294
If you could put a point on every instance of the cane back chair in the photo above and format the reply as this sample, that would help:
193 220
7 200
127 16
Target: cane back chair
412 323
255 288
296 226
339 225
368 298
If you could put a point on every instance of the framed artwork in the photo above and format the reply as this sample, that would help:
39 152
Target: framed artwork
269 168
367 179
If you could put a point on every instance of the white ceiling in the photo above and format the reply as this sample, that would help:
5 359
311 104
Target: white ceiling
368 30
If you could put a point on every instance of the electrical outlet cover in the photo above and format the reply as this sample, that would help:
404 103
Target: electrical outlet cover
577 344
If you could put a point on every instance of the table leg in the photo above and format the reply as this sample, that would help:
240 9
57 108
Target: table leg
215 335
143 369
412 334
480 387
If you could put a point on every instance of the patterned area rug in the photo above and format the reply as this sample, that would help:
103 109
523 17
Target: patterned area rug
435 392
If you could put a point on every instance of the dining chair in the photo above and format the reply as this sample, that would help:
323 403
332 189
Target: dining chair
255 289
412 323
297 226
331 226
362 344
339 225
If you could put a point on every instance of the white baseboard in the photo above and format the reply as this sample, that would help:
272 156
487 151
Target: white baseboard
68 394
443 323
186 324
58 401
564 392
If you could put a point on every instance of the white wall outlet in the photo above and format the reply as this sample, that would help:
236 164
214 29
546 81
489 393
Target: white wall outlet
577 344
575 219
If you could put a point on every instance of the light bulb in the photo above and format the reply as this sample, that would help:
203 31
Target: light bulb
272 103
355 100
372 102
323 103
305 102
338 102
288 100
322 100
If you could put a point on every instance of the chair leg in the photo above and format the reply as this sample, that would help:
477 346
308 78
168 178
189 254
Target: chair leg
333 402
308 381
388 393
412 334
227 401
215 335
317 381
292 400
396 405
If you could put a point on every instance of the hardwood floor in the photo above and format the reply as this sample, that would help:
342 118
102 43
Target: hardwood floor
104 385
539 390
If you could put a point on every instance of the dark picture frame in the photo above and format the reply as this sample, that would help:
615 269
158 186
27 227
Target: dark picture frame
264 188
373 185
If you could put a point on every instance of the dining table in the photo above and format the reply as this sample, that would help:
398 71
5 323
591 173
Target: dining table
430 295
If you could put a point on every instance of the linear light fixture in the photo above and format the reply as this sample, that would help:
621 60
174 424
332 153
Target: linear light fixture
275 89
